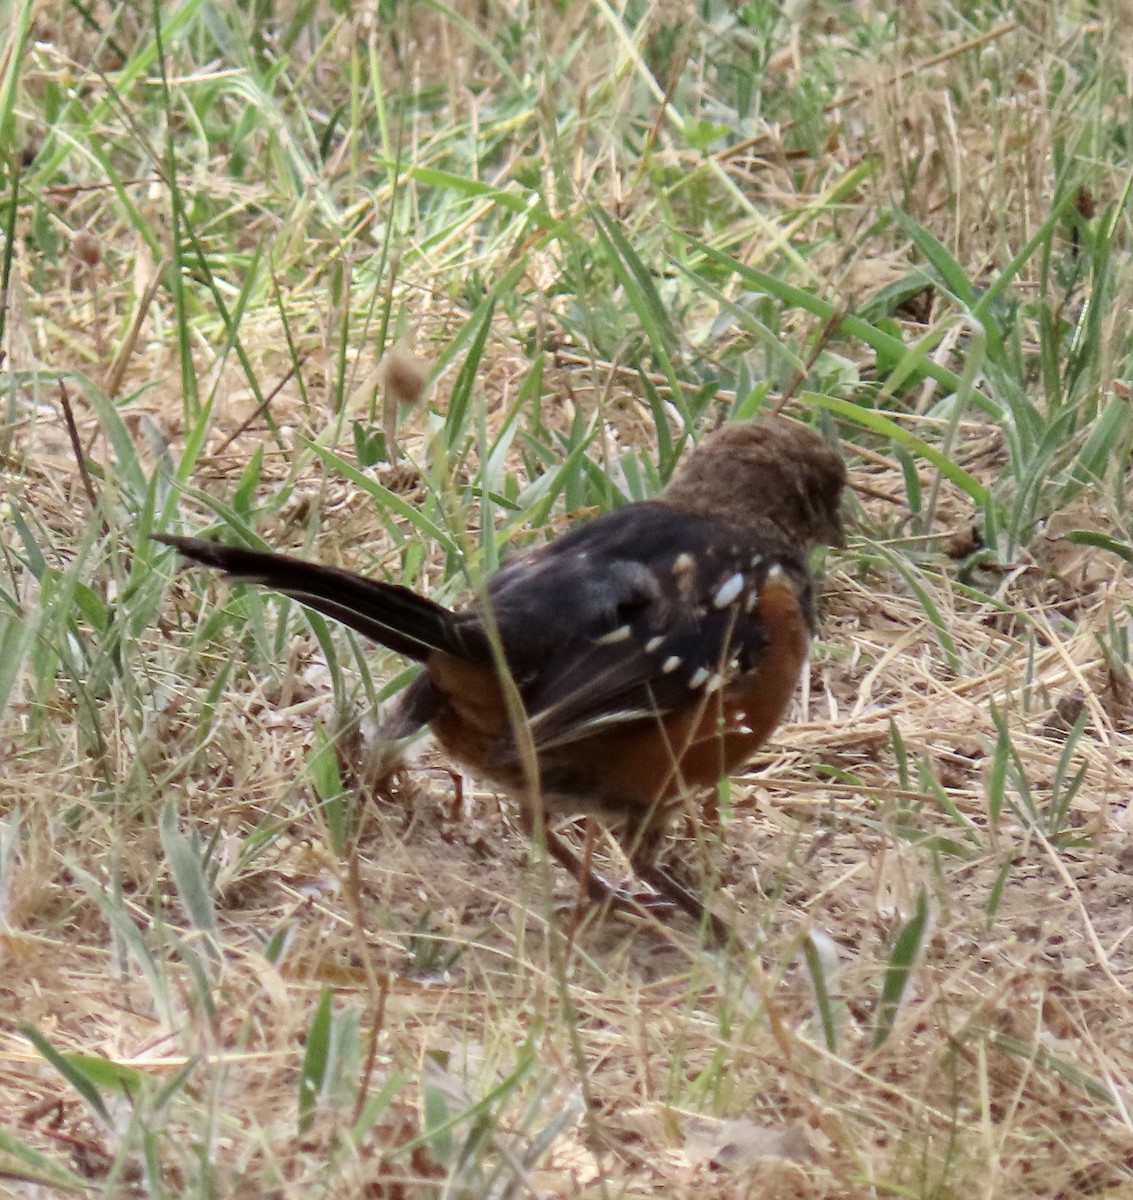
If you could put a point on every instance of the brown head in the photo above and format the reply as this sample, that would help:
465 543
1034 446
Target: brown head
768 474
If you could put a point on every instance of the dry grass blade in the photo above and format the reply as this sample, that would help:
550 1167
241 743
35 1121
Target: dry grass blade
265 955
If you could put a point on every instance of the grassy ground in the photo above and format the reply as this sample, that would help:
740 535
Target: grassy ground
242 958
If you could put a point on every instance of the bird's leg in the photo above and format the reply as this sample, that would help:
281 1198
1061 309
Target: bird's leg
643 858
719 931
593 885
586 867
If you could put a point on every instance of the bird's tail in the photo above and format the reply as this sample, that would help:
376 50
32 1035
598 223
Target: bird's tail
386 613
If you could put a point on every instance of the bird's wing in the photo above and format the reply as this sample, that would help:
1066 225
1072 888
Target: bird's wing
632 616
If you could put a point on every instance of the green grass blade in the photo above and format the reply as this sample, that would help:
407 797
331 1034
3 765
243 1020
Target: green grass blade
902 959
316 1060
72 1071
19 1161
187 870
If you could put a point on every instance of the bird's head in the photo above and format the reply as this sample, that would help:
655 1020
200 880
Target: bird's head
770 475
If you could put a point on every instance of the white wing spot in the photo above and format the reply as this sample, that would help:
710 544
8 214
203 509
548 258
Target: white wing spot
776 572
698 677
744 729
756 559
670 664
614 636
714 683
728 590
654 643
683 563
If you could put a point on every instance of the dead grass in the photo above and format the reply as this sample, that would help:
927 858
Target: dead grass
965 729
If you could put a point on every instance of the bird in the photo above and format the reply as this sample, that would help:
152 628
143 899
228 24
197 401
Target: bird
623 668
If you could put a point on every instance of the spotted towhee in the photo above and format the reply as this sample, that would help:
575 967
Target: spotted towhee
650 651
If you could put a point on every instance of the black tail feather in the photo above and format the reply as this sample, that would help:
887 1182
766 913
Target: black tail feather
387 613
